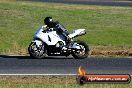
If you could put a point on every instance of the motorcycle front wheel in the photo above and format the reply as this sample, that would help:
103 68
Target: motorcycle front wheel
83 52
37 51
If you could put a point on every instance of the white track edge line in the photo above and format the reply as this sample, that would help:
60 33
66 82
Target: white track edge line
39 75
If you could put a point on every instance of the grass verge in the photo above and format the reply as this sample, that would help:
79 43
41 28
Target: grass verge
50 82
106 25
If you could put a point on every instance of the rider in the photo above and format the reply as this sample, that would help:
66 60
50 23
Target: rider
57 27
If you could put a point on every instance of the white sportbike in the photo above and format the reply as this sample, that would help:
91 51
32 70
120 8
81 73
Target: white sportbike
50 43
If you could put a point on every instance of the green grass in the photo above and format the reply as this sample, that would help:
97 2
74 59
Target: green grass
41 85
106 25
59 82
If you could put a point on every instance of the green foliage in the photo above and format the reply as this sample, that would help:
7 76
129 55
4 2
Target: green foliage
6 84
105 25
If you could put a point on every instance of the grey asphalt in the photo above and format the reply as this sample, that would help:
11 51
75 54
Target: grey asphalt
64 65
92 2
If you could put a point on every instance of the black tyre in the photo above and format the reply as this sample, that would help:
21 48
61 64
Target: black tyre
37 52
83 52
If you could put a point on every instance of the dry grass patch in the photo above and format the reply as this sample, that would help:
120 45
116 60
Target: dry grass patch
111 50
39 79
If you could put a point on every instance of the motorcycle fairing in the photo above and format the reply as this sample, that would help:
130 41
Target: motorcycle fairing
77 32
50 37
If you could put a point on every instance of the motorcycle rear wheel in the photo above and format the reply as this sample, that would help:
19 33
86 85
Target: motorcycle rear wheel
83 53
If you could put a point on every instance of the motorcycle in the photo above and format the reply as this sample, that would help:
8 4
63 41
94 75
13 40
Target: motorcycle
50 43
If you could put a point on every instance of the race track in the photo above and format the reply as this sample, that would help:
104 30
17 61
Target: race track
63 65
91 2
